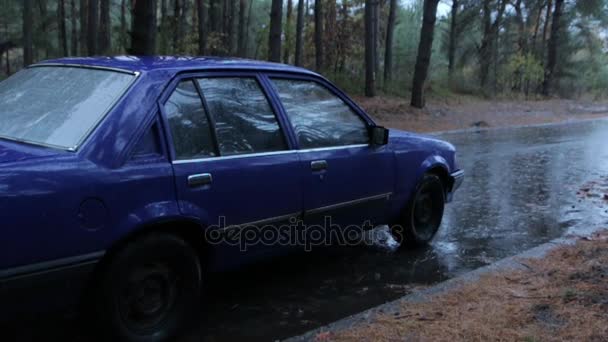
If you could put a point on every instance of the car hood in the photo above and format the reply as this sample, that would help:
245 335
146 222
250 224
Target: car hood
422 141
16 152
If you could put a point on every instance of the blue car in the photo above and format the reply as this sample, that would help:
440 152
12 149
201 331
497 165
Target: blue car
125 180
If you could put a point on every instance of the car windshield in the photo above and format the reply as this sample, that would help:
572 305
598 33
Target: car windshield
57 106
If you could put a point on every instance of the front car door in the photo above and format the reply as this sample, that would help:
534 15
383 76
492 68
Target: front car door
348 181
232 162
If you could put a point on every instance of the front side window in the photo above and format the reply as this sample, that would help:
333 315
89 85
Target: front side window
320 118
244 121
188 122
57 106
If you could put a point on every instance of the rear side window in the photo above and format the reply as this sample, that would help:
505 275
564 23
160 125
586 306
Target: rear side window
244 121
320 118
189 125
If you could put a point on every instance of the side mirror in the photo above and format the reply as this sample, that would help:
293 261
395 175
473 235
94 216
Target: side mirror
379 136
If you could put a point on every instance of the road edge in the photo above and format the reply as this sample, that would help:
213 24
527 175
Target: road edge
506 264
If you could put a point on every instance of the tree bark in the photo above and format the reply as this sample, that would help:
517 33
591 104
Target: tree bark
123 25
44 23
274 39
63 35
331 27
370 72
388 50
299 33
202 32
92 27
177 30
425 46
83 26
288 32
319 34
553 49
143 32
105 28
452 40
74 23
27 33
490 29
242 44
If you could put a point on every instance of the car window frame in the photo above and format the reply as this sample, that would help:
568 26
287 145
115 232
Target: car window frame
355 109
284 126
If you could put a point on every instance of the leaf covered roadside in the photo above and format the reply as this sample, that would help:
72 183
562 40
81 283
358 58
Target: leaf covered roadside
562 297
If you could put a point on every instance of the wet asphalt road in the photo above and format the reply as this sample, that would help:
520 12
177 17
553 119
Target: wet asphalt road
519 192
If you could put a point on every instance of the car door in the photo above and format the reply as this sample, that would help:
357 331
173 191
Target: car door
233 165
348 181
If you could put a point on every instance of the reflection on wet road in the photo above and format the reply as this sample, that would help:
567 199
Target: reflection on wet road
520 191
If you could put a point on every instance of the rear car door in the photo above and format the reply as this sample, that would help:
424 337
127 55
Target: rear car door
347 180
232 162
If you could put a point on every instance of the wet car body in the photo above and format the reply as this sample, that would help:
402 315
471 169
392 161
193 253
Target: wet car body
66 211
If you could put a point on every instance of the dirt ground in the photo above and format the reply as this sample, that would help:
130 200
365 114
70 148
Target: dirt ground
466 112
562 297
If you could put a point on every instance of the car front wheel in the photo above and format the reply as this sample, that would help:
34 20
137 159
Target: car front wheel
149 290
422 216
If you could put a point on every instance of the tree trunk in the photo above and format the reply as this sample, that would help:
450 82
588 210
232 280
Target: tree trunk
143 32
546 23
83 26
370 74
27 33
92 27
44 23
274 39
330 29
425 46
553 49
299 33
388 49
202 32
123 25
177 29
105 28
319 34
288 32
452 40
521 28
63 35
490 29
74 23
376 32
242 44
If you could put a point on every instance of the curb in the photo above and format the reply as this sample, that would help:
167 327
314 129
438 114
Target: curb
506 264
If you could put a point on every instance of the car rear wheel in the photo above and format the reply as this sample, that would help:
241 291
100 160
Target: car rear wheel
423 214
149 290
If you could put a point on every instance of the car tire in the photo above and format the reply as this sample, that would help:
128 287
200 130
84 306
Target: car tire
423 214
149 290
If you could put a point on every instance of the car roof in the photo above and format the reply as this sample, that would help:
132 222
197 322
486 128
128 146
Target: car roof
174 64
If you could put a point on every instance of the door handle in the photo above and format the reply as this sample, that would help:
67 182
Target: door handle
318 165
199 180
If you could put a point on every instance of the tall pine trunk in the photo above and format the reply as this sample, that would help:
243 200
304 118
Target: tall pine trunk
288 32
202 31
274 39
83 26
105 28
74 23
319 34
44 26
388 50
370 63
92 24
177 29
27 33
242 43
490 32
299 33
427 33
553 49
452 40
143 32
123 25
63 34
